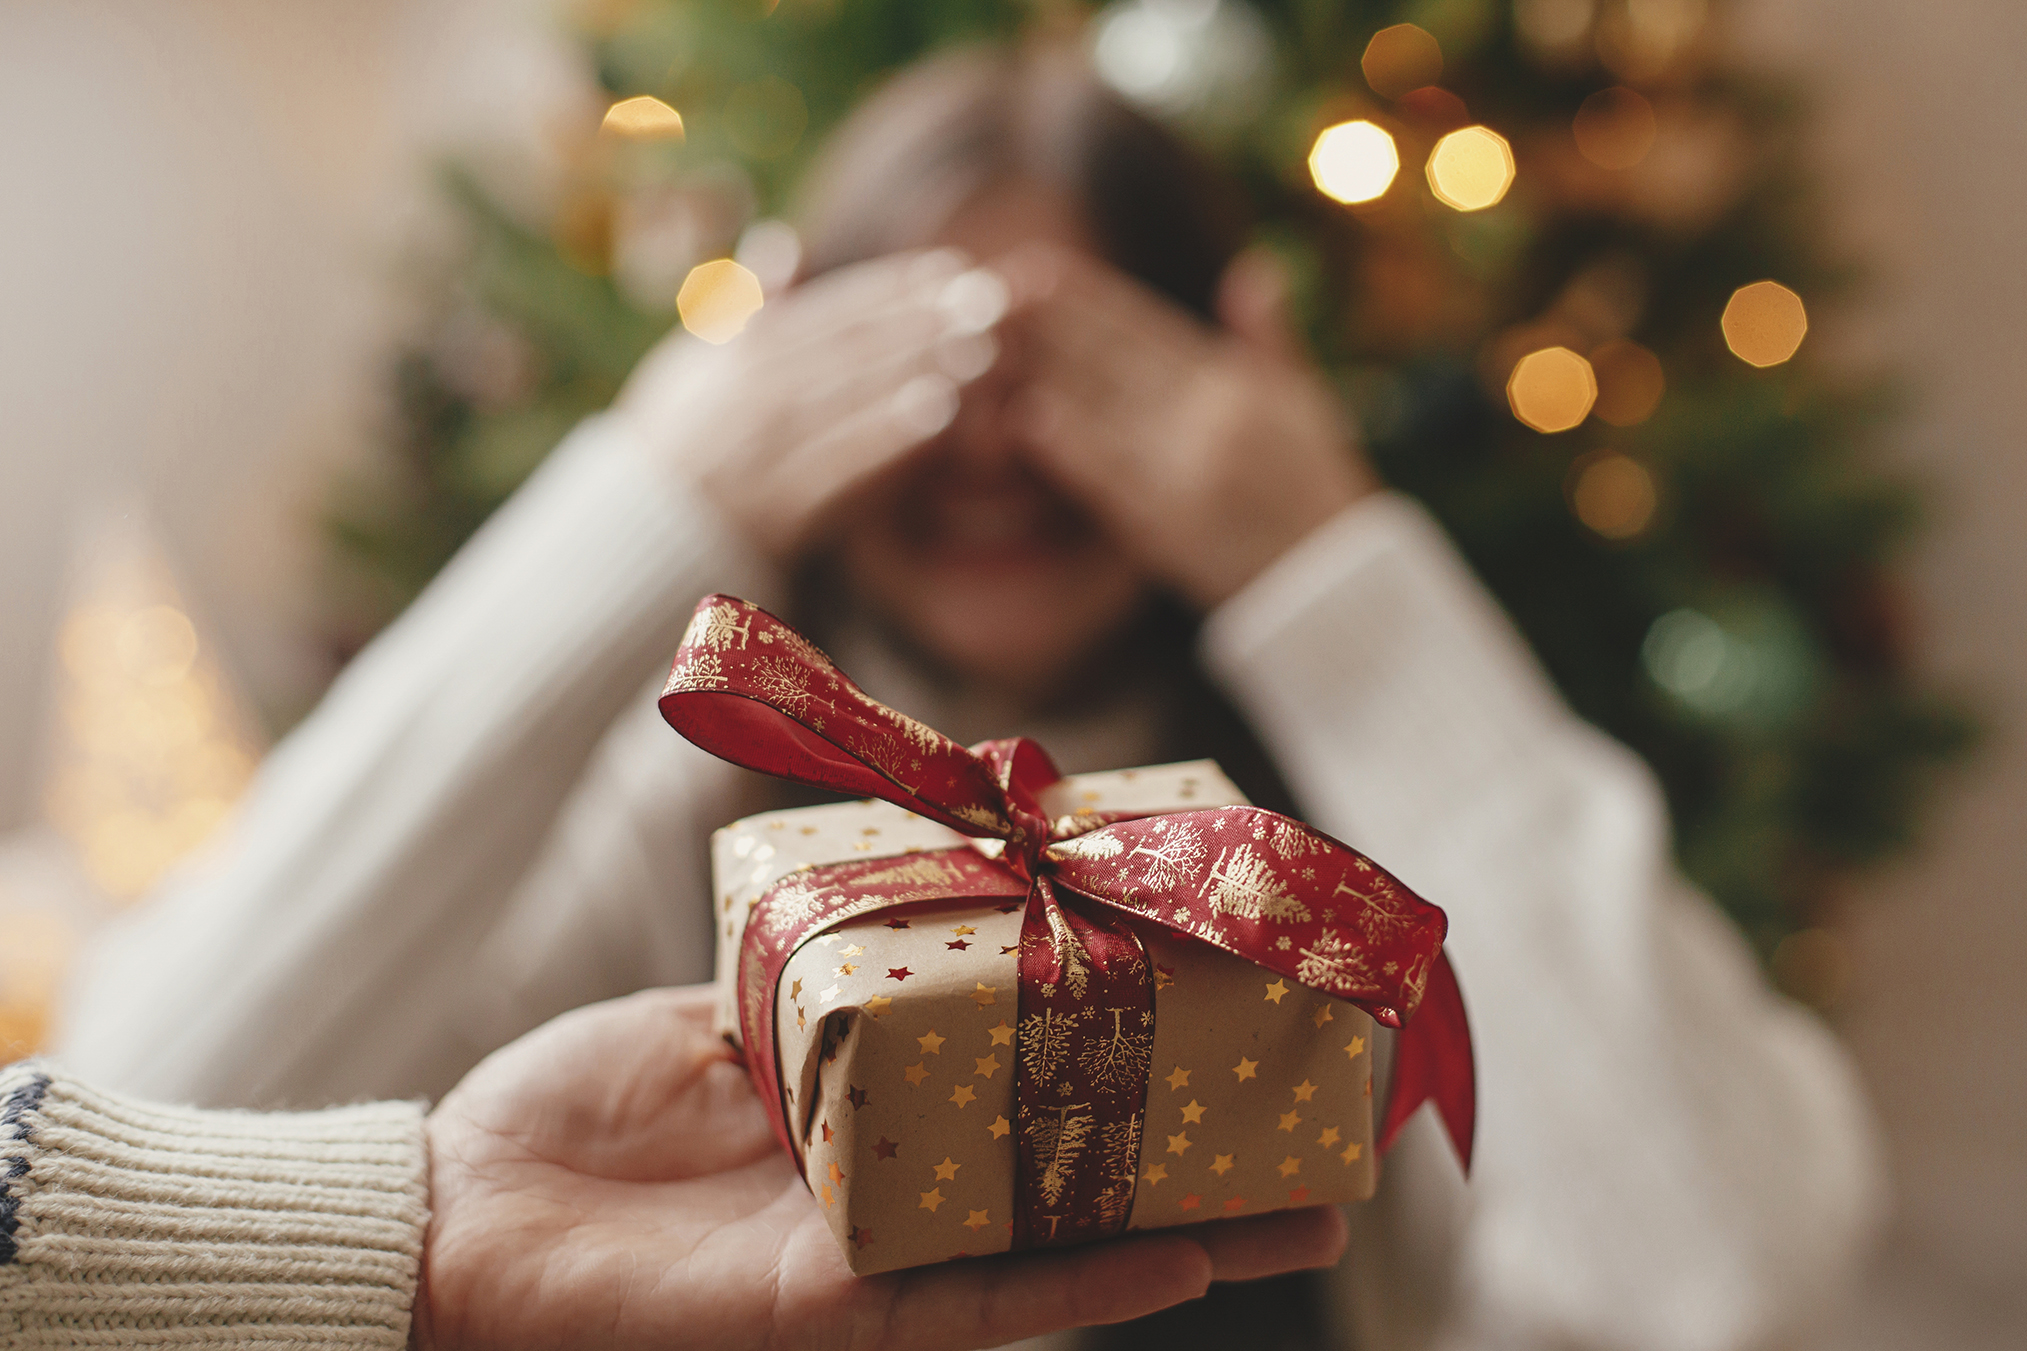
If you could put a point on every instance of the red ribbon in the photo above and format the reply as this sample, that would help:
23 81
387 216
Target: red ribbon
750 689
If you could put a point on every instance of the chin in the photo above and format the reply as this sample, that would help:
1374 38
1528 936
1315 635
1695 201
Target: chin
1023 627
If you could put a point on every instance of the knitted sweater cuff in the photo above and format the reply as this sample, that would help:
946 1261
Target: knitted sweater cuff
125 1224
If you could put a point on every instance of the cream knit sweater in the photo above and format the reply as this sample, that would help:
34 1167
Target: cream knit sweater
131 1224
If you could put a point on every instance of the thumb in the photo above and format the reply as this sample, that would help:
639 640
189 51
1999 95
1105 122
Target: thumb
1252 302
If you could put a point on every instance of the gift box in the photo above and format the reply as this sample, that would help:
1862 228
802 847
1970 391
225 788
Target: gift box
996 1008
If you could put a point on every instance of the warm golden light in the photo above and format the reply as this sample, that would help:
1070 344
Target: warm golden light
1764 323
642 118
1615 128
1401 58
1630 383
1552 390
1471 169
1612 494
1353 162
717 299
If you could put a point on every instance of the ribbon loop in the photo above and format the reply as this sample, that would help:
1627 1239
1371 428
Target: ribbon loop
1262 886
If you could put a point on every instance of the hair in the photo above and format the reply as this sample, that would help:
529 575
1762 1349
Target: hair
955 125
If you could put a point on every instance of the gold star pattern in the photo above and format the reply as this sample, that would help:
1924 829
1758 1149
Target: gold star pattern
1222 1164
1356 1045
1351 1152
999 1127
985 994
1179 1144
931 1044
1193 1113
1304 1091
931 1200
1277 991
1322 1016
834 1173
1003 1034
828 1199
852 951
916 1073
963 1095
976 1221
1244 1069
987 1067
878 1005
1289 1121
1157 1174
1328 1138
826 1130
1289 1166
1192 1201
946 1170
1179 1079
1163 977
795 990
962 929
1297 1195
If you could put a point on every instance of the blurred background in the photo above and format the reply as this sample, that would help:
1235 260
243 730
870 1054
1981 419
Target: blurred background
1694 321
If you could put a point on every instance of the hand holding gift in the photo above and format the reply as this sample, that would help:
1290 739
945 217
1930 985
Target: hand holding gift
1273 947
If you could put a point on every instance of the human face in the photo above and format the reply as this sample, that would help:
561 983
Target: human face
975 557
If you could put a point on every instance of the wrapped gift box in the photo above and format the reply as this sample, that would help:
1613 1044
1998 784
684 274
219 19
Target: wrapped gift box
1002 1009
897 1046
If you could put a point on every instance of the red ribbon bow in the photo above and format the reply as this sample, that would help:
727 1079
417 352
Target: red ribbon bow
751 690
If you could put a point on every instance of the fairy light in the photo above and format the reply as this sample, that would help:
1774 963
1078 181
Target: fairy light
717 298
1615 128
1552 390
1764 323
1401 58
642 118
1471 168
1612 494
1354 162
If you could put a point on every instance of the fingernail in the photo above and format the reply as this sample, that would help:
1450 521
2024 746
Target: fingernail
966 356
973 301
926 404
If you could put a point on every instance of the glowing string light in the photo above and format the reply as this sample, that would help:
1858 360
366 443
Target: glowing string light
1353 162
642 118
717 299
1471 168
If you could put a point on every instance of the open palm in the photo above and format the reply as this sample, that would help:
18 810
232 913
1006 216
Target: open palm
611 1180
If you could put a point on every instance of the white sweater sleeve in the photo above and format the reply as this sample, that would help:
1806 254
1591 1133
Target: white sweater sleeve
1669 1155
324 948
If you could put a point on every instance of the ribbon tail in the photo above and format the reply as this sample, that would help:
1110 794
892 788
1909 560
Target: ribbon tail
1433 1063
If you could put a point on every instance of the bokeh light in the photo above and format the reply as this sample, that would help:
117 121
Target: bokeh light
642 118
1630 383
717 299
1612 494
1615 128
1471 169
1554 25
1552 390
1639 39
1764 323
1401 58
1354 162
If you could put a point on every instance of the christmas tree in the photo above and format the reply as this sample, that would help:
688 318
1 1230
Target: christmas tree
1559 255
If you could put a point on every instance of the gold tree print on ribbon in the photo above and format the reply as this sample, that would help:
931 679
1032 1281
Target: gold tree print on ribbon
1119 1158
1333 960
1243 883
1177 852
720 626
1058 1136
1047 1038
1117 1059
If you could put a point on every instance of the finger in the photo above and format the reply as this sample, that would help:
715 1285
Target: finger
1252 302
1269 1245
996 1300
820 471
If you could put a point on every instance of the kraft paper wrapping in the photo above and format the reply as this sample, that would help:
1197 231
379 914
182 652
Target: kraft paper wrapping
898 1037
